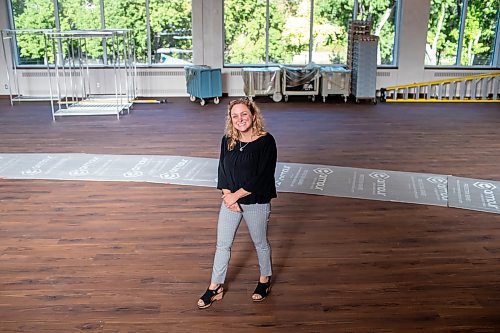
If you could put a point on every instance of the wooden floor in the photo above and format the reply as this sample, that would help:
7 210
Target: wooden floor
134 257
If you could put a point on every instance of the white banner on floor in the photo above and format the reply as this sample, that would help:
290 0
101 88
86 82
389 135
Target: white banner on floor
418 188
474 194
139 168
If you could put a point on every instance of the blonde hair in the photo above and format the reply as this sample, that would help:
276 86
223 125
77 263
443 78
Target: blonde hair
232 133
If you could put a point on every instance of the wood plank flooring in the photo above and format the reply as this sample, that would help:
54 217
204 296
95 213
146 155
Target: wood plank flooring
134 257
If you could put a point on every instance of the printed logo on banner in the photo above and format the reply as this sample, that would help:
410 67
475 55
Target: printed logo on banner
84 169
282 175
489 195
437 180
167 175
381 186
442 186
136 170
31 172
322 177
37 168
174 172
485 186
324 171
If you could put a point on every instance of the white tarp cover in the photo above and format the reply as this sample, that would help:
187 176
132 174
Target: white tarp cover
417 188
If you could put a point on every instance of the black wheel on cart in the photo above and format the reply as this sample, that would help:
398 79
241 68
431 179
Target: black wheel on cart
383 95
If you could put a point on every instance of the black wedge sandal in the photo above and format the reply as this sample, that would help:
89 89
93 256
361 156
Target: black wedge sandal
211 296
262 289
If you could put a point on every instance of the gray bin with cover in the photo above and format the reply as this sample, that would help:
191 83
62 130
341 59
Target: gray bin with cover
262 81
335 81
301 81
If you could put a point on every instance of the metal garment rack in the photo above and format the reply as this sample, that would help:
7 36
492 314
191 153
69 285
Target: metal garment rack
10 55
73 89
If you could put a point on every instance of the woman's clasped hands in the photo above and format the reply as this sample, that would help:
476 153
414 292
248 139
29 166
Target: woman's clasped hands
231 201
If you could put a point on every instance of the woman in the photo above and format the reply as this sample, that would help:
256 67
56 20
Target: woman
246 177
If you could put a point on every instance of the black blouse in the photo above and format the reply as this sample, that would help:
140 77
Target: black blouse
251 169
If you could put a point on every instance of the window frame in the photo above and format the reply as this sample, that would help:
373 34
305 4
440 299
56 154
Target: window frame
495 57
148 64
395 51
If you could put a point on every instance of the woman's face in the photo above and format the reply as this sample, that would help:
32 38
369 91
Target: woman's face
241 118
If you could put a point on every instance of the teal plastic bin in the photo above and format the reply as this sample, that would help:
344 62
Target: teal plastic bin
203 82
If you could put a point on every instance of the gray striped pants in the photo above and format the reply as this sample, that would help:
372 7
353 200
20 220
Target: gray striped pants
256 217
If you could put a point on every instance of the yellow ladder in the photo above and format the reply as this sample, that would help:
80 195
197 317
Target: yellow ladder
483 88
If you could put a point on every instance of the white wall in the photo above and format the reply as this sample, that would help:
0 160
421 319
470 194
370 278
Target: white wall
412 39
208 39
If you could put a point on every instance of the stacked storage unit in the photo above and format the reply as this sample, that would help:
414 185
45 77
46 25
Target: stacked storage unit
364 67
203 82
356 27
262 81
335 81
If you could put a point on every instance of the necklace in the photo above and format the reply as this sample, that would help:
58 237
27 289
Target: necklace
246 144
243 147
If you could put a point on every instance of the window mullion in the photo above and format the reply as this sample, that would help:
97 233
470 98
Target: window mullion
267 32
395 50
148 33
103 26
461 32
311 32
495 61
58 29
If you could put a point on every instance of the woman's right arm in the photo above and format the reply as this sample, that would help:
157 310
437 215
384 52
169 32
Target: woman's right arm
221 174
221 177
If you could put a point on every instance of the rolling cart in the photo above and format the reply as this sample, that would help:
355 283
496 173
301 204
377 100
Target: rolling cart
301 81
335 81
203 82
262 81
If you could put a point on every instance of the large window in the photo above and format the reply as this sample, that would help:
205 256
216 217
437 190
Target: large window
479 32
82 15
29 17
462 32
161 33
129 14
383 14
245 31
331 30
303 31
294 17
171 33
